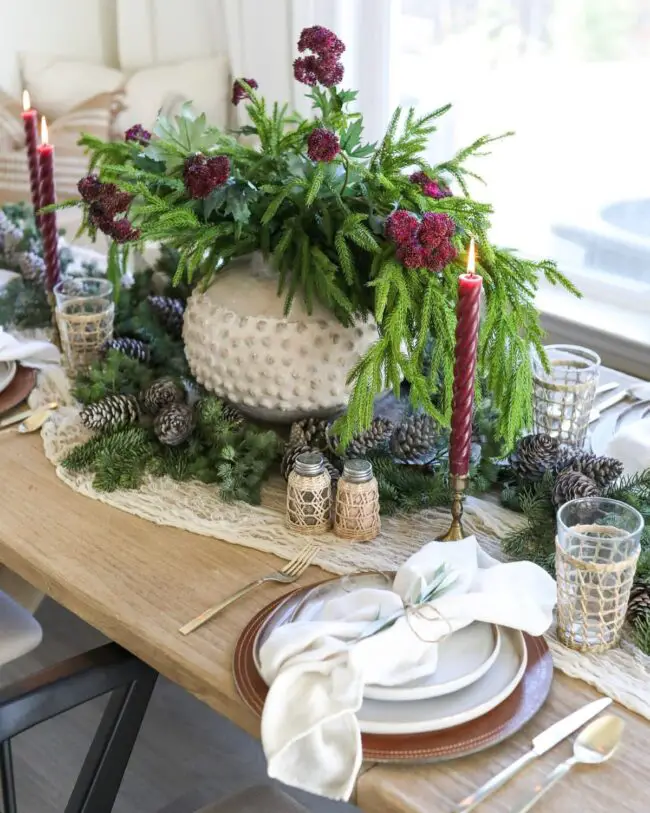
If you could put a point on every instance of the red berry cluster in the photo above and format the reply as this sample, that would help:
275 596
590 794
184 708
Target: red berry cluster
430 188
323 65
203 174
239 92
105 202
322 145
139 134
422 243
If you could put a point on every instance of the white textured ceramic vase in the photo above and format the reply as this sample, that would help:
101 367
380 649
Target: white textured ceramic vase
241 347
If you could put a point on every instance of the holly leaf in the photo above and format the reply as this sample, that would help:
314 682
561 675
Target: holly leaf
347 96
149 164
352 135
363 151
214 201
237 204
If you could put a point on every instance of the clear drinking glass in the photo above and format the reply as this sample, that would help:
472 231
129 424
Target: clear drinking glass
597 547
84 314
563 399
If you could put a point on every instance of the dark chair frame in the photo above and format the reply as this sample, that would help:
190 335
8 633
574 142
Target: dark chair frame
52 691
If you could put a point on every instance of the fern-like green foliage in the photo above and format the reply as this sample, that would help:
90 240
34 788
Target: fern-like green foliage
321 224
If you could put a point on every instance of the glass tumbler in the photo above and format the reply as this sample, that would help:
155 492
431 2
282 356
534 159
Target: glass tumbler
563 399
84 314
597 547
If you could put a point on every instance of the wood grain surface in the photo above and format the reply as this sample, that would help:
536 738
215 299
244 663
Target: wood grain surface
137 582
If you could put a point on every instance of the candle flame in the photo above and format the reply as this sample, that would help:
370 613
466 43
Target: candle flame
27 102
471 258
44 134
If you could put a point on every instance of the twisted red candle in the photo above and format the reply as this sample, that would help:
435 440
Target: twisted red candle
29 122
48 221
468 314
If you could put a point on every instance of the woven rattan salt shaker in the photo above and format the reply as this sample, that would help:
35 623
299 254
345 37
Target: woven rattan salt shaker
356 516
309 495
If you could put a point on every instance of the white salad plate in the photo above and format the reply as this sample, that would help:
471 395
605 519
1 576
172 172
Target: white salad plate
7 373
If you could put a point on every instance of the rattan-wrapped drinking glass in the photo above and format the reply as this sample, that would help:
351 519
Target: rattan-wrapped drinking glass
84 315
356 514
309 495
563 398
597 548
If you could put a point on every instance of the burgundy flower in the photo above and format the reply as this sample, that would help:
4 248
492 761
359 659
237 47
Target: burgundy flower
401 226
320 40
435 228
305 70
98 217
113 200
122 231
90 188
202 175
322 145
412 254
441 257
430 188
329 72
138 133
239 92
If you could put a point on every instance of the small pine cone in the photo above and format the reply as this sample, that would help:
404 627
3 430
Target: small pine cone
311 432
174 424
133 348
534 456
160 394
374 439
11 239
638 606
112 412
32 267
573 485
291 454
415 439
169 312
232 414
602 470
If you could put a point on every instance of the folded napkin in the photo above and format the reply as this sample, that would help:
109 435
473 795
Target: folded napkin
317 669
30 353
631 445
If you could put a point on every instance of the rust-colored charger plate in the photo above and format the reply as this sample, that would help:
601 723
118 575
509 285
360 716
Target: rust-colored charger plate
22 384
477 735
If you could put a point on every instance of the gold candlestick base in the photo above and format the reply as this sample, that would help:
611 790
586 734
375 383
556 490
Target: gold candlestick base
455 532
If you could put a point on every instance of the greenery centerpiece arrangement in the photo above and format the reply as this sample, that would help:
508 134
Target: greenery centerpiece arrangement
370 231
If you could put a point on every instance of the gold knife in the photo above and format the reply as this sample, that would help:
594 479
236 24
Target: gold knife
541 744
21 416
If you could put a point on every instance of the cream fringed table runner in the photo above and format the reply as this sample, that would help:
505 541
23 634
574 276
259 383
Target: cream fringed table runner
623 673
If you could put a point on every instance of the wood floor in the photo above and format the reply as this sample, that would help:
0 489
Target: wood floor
185 756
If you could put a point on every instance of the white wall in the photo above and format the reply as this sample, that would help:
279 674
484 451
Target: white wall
76 28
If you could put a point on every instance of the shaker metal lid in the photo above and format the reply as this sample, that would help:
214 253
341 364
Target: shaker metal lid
309 464
357 471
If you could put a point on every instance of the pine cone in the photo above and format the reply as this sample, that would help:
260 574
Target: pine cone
375 438
534 456
133 348
415 439
173 424
310 432
32 267
112 412
573 485
232 414
638 606
602 470
291 454
11 239
169 312
160 394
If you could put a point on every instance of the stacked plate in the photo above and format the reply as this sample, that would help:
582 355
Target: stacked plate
7 373
484 671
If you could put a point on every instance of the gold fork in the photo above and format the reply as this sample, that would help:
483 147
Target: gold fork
290 573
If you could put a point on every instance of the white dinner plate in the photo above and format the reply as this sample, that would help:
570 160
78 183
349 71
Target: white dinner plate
7 373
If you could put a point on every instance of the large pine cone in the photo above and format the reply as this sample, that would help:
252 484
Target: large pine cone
133 348
112 412
638 606
573 485
602 470
160 394
375 439
174 424
534 456
291 455
310 432
415 439
169 313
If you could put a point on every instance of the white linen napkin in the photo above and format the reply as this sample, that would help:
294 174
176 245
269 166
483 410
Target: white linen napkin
631 445
30 353
317 669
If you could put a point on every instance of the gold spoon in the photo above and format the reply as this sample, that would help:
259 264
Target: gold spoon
21 416
35 420
595 745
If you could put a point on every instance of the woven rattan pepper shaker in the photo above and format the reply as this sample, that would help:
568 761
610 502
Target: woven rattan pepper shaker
356 516
309 495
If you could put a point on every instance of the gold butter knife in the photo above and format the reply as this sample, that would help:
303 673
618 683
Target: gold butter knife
27 415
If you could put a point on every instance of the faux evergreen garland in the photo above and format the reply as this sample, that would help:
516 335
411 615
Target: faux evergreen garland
372 231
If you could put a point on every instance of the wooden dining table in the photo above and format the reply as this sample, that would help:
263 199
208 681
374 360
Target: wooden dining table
136 582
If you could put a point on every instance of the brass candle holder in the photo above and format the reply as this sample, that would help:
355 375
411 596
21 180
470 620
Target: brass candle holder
455 531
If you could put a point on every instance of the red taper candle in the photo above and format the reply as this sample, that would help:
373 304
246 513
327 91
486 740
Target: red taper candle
467 325
48 197
29 121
